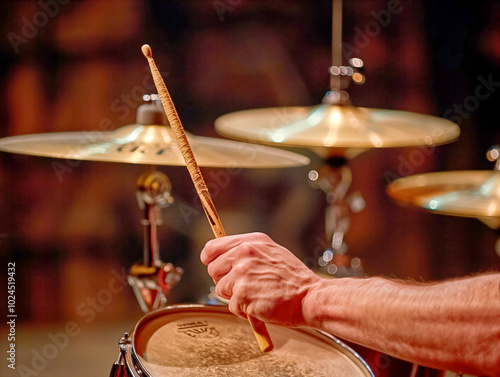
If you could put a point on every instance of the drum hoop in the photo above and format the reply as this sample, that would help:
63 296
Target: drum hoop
223 309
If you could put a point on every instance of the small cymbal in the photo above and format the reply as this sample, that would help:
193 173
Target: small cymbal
331 126
457 193
151 145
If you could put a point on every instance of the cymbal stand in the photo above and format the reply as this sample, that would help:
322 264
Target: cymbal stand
152 280
335 178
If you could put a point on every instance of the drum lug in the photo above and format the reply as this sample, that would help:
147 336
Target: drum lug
119 368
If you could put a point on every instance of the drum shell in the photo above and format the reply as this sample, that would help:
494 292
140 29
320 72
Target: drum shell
150 324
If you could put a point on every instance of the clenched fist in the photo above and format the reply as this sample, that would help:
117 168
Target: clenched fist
259 278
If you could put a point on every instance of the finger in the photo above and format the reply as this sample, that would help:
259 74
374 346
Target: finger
235 308
220 267
224 287
216 247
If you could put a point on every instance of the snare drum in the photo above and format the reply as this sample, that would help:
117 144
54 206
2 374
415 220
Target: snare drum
200 340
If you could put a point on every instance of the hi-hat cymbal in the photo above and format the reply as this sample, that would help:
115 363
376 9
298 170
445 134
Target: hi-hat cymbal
457 193
332 126
151 145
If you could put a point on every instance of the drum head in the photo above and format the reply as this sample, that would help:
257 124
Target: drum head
211 341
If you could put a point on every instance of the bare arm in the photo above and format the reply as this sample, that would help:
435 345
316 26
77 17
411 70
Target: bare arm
453 325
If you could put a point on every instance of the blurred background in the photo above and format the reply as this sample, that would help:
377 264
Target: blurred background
73 228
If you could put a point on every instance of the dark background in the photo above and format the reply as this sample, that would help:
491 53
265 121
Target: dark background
82 69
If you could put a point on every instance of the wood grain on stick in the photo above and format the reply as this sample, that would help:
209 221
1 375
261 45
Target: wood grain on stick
259 328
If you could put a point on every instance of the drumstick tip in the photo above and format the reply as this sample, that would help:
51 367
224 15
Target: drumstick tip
146 50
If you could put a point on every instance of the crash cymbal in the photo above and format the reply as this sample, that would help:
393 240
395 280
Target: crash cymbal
332 126
457 193
152 144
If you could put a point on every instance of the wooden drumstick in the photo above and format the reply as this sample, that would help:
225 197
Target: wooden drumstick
259 328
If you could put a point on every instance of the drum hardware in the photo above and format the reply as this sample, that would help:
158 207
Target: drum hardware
335 178
206 340
126 365
119 368
152 280
258 327
341 76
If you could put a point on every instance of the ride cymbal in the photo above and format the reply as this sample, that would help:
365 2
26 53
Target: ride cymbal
333 126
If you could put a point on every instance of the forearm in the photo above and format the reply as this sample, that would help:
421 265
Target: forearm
453 325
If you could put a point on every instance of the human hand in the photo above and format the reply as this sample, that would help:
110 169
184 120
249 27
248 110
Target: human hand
259 278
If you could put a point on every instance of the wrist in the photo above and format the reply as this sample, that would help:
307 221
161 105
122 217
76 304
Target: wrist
314 302
333 301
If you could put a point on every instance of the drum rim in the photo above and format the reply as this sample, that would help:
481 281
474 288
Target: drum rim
224 309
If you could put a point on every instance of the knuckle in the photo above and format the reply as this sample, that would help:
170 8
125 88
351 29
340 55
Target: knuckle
240 291
260 236
265 237
247 250
240 269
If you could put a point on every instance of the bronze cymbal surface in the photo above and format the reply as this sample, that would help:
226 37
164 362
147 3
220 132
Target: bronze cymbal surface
457 193
149 144
333 126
